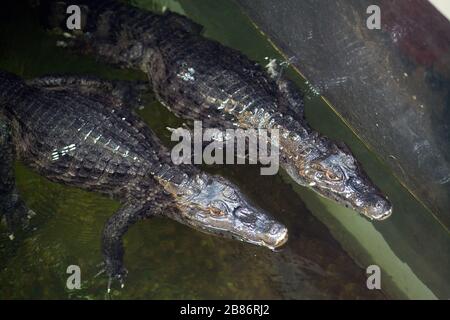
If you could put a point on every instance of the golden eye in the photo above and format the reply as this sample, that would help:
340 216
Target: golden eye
216 212
331 176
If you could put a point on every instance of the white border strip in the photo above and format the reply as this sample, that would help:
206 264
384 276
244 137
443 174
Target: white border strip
443 6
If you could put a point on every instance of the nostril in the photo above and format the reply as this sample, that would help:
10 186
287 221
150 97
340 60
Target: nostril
275 229
383 210
378 203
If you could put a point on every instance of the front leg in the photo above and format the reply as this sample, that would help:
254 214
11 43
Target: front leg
12 208
112 240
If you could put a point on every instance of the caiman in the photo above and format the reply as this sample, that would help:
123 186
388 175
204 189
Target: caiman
81 131
200 79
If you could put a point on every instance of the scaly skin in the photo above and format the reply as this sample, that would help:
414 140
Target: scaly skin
200 79
81 131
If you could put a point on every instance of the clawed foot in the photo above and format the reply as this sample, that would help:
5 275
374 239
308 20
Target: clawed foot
114 272
17 215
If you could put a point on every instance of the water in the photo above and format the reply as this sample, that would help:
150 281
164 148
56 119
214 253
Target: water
329 246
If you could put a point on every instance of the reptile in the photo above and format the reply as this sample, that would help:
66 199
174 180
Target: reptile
81 131
200 79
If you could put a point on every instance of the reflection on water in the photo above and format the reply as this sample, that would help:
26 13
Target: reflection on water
169 261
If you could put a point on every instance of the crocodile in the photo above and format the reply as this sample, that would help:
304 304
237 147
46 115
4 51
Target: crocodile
82 131
200 79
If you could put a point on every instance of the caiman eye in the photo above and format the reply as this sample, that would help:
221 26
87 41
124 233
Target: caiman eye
217 208
331 176
216 212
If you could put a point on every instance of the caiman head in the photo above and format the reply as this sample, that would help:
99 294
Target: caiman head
216 206
332 171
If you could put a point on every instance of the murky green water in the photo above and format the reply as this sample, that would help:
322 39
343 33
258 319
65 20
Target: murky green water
169 261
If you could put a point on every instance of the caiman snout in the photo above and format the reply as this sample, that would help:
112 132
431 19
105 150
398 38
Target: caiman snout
377 208
213 205
276 237
263 232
